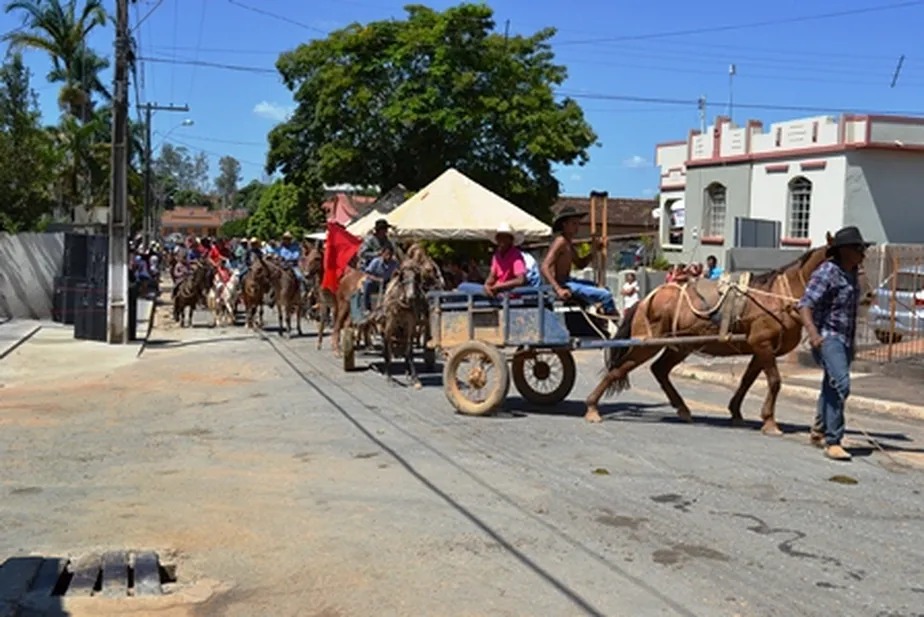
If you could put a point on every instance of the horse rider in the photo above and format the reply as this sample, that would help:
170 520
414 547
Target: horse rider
374 243
556 267
289 252
378 272
508 267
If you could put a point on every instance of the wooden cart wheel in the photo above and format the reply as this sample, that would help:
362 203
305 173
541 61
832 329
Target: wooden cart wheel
348 348
468 376
544 377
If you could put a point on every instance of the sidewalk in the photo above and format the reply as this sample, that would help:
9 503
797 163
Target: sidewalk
16 332
872 392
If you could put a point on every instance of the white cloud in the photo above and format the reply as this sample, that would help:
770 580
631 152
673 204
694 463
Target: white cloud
636 162
576 177
272 111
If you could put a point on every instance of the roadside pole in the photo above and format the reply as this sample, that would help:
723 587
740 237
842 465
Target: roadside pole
149 227
119 221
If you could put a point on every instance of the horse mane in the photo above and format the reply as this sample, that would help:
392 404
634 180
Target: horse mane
767 278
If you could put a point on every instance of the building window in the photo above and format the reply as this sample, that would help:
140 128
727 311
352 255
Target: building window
673 217
800 205
714 210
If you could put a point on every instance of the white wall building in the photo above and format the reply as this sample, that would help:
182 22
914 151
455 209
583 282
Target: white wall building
811 176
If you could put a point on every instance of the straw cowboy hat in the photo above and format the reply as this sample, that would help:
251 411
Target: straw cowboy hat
507 229
848 236
566 213
255 240
287 235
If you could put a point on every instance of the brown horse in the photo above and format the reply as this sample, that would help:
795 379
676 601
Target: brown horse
256 284
289 300
191 290
764 312
404 308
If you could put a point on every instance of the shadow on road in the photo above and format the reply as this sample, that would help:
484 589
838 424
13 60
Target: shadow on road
33 586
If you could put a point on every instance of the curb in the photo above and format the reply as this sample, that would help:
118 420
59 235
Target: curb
871 405
4 353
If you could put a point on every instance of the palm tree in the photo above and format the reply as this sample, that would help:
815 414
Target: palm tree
58 28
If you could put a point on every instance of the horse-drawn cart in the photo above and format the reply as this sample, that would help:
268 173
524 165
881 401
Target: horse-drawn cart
362 326
532 331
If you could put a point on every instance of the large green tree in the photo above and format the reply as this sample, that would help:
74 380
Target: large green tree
61 29
182 176
229 174
400 101
27 152
281 209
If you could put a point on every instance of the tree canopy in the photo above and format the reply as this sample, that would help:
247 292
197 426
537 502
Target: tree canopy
280 210
401 101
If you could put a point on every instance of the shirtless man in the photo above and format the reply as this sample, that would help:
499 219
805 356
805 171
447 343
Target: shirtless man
556 267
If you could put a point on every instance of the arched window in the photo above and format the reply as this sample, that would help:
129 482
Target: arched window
799 208
714 210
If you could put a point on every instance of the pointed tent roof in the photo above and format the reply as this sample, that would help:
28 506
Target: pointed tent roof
454 207
385 204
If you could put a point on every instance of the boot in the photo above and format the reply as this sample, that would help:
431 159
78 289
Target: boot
837 453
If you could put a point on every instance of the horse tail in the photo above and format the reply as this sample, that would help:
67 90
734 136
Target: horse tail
615 356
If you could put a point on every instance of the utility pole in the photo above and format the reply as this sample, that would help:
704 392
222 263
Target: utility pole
150 217
732 71
119 220
701 105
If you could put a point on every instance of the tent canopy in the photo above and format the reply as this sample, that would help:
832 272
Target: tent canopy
364 224
454 207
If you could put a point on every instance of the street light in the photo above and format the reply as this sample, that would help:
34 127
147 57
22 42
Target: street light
164 136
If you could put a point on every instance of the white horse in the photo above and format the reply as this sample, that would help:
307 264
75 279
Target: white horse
223 298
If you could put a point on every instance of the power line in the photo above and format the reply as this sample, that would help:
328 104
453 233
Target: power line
192 79
749 25
174 140
214 65
146 15
760 106
232 142
282 18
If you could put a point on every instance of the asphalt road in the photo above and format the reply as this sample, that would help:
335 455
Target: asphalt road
643 515
316 492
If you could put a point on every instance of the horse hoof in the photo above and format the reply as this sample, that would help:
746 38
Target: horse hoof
685 416
593 415
771 429
737 421
418 385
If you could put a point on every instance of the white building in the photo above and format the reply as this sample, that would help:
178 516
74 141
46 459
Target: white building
810 176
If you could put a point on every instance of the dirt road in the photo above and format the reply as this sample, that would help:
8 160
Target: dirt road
281 486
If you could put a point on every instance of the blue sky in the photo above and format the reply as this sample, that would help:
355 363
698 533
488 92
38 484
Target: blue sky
667 53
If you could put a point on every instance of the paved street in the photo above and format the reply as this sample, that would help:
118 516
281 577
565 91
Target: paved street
283 486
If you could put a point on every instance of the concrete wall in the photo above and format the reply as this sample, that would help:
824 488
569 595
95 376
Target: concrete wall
29 263
884 194
770 192
737 182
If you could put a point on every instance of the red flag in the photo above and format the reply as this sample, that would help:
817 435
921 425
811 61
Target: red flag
339 248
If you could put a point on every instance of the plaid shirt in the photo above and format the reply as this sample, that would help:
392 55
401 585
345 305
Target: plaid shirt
833 294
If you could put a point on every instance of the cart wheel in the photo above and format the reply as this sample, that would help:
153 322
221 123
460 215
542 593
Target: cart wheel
348 349
480 387
429 358
544 377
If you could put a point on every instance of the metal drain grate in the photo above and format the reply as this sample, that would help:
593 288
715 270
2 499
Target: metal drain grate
112 574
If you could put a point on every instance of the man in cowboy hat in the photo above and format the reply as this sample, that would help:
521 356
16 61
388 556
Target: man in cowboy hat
374 243
508 267
289 252
557 265
829 313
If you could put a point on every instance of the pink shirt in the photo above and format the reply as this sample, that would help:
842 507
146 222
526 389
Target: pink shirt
508 265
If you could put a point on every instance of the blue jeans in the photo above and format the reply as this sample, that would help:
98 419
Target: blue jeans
370 286
590 293
834 357
476 289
